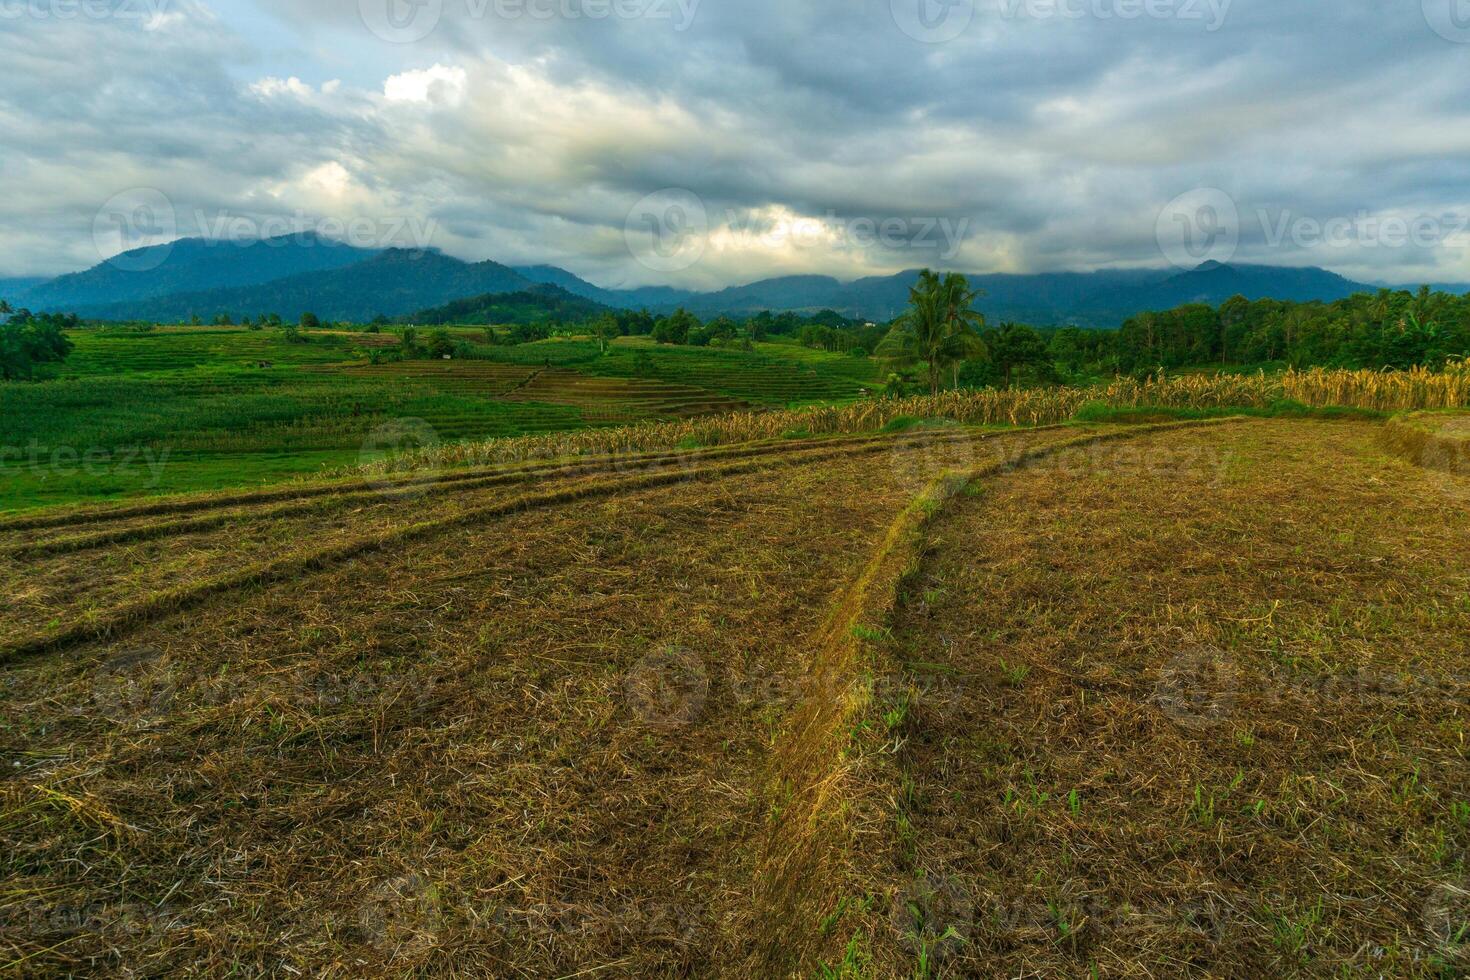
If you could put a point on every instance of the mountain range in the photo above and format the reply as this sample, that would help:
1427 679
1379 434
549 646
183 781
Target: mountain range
299 273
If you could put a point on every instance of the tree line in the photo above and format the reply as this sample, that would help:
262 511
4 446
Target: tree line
1386 329
941 340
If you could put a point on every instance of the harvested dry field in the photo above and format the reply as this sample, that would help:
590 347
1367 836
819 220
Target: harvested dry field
1164 700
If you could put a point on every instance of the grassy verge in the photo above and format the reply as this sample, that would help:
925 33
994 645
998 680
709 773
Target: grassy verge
1436 440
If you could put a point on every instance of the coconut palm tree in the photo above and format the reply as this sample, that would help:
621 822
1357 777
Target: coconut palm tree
940 329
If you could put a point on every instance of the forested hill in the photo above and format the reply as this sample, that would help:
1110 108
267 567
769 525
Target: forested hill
538 304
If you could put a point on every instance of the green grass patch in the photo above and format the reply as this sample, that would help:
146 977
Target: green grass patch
1097 412
176 409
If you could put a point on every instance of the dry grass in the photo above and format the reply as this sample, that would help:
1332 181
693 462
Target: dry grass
1203 719
154 570
528 744
1317 388
649 720
829 765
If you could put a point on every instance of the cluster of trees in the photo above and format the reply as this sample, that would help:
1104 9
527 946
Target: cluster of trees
1387 329
825 330
412 346
944 340
940 331
28 340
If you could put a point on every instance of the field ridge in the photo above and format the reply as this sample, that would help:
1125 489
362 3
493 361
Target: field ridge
823 772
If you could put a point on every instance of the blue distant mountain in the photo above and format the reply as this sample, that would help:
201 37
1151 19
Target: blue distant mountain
191 265
389 283
17 285
196 277
1096 299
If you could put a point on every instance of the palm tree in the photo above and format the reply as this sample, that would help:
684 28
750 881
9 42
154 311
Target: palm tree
940 329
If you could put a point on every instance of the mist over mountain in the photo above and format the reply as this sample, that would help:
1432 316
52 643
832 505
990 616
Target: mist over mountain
649 297
297 274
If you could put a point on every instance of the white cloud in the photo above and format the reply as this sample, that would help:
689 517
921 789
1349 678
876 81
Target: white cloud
439 84
271 88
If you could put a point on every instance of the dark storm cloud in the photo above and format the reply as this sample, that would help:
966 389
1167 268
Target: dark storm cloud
1045 133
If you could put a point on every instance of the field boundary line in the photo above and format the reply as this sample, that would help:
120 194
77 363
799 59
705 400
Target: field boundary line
510 472
117 621
326 502
833 772
1427 448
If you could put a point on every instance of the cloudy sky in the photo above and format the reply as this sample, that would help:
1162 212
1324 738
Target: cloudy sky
706 142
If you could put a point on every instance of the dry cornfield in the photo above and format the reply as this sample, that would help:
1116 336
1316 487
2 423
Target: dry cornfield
1379 391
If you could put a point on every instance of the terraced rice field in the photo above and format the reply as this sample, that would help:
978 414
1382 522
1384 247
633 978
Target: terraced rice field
216 407
600 400
775 375
108 353
1082 701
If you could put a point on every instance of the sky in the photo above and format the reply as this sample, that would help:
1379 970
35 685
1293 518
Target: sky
703 143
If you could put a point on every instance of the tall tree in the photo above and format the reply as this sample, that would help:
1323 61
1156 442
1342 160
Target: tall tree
604 328
26 341
941 328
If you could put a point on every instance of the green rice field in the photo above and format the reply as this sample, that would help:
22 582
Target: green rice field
200 408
